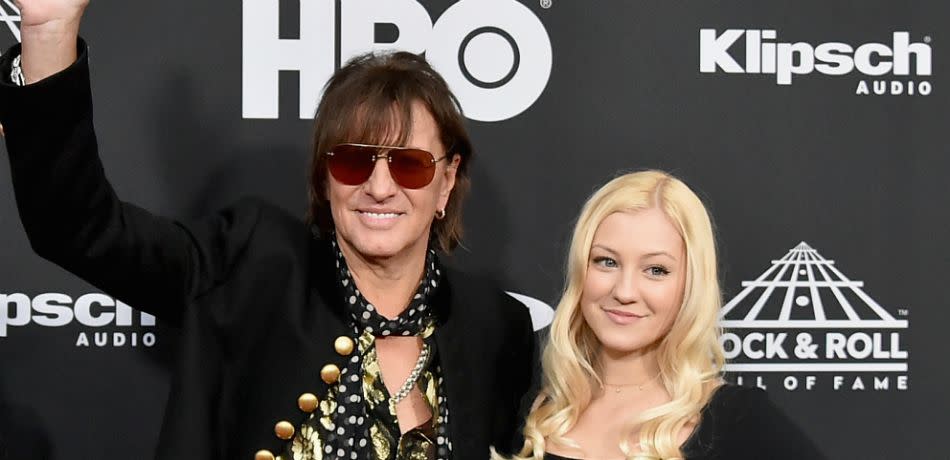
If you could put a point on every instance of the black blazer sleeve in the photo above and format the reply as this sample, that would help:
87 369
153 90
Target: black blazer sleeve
73 217
520 369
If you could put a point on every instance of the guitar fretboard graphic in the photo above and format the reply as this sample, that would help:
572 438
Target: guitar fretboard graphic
10 15
803 290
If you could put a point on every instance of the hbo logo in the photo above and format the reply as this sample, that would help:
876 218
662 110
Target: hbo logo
495 54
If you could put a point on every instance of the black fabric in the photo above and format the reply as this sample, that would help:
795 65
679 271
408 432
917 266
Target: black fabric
252 291
740 423
354 441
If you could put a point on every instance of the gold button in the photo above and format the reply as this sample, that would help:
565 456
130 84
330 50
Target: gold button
343 345
284 430
263 455
307 402
330 373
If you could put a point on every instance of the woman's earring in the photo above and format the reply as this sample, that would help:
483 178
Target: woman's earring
440 214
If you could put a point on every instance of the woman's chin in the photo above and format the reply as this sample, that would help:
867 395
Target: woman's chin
622 346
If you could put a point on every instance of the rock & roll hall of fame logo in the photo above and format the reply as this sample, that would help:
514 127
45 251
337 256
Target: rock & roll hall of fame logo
10 17
803 324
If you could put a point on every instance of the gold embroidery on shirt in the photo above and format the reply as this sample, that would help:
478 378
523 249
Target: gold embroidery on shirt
416 444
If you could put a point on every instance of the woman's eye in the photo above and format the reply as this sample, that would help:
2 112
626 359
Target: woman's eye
605 262
657 271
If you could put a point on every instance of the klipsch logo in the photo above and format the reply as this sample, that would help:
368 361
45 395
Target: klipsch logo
805 322
109 319
764 55
10 15
495 54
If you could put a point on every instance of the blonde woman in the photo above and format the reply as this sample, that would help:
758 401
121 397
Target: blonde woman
633 365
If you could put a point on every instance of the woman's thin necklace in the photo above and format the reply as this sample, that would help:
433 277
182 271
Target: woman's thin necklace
618 387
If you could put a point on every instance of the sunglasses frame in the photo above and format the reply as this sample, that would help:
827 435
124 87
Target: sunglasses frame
383 151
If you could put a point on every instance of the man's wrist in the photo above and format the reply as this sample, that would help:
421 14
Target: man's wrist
46 50
50 33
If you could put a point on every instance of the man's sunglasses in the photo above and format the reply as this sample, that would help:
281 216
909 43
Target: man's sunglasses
353 164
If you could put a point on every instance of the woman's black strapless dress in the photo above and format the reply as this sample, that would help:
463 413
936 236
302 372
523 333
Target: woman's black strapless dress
740 423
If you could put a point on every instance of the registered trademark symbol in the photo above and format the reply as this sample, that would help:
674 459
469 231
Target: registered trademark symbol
546 4
927 39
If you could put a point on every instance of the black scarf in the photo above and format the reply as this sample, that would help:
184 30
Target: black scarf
351 438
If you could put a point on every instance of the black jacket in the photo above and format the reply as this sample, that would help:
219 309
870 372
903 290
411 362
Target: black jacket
252 289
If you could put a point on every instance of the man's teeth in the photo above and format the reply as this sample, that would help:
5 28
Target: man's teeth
384 215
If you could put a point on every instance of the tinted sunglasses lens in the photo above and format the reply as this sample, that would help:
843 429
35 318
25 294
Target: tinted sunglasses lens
351 164
411 168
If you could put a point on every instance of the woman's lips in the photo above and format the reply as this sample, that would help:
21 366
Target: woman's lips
622 317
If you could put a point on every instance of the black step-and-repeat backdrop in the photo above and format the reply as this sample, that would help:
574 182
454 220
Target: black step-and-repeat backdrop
815 130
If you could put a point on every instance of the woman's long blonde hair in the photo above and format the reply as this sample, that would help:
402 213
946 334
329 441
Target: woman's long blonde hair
690 356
